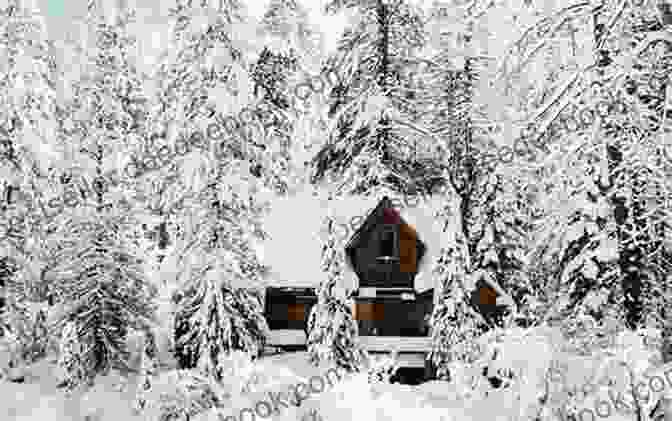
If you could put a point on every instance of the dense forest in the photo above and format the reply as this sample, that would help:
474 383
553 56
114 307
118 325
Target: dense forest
133 198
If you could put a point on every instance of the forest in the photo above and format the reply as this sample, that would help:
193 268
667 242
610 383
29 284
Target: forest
134 199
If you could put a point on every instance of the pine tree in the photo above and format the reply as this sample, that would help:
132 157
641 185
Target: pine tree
6 271
372 140
637 173
27 149
204 93
456 324
214 319
270 76
605 226
24 311
28 92
103 290
332 331
99 281
73 369
498 231
215 313
205 85
286 25
488 213
291 43
16 318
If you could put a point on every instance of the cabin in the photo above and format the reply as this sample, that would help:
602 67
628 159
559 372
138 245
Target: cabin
385 253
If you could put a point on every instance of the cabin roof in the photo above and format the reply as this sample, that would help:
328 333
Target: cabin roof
383 210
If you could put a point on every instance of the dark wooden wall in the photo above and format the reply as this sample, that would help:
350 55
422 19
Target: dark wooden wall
374 273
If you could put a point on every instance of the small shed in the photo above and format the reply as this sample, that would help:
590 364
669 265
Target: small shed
385 251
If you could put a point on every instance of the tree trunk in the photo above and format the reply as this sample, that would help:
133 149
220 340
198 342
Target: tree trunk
383 138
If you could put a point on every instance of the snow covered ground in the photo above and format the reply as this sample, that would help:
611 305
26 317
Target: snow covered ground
350 397
39 399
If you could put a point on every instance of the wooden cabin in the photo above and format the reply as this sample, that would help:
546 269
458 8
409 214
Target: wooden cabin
385 253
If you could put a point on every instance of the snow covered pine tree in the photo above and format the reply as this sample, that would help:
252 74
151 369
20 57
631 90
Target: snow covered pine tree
214 318
27 119
375 137
214 313
101 285
73 369
332 331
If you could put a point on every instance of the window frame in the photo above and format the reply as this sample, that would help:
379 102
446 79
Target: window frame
389 228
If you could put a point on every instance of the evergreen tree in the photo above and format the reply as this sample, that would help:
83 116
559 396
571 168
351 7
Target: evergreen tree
27 149
290 44
99 282
28 92
637 173
332 331
16 316
204 120
6 271
601 250
215 313
456 324
73 369
372 140
612 176
487 243
286 25
214 319
205 85
103 291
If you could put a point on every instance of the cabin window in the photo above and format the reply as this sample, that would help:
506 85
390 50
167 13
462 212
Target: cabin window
389 243
487 296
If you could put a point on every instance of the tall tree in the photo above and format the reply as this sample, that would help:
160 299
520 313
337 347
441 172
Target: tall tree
286 27
27 150
98 278
287 66
332 331
487 214
207 88
596 227
371 141
291 46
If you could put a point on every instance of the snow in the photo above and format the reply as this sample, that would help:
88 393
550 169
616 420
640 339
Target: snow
109 400
352 397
